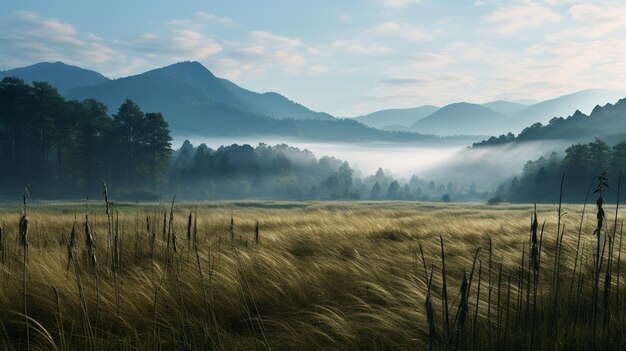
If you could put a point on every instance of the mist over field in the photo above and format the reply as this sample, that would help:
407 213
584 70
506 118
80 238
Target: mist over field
402 159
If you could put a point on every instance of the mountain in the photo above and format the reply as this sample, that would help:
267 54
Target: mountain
461 119
185 87
506 107
274 104
386 119
583 100
58 74
197 103
606 122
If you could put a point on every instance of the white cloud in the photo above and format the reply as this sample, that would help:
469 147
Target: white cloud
213 18
401 30
514 18
396 4
29 37
177 45
273 40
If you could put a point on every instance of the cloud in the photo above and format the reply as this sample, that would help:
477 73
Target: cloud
209 17
514 18
28 37
265 51
397 4
267 38
401 30
592 22
177 45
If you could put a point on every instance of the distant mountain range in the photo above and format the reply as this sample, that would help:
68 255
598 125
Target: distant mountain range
461 119
197 103
607 123
491 118
58 74
402 118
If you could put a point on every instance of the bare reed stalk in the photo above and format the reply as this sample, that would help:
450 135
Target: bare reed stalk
557 257
508 309
71 245
534 265
189 228
520 289
23 240
116 261
232 230
152 235
91 254
499 304
475 321
444 292
430 315
602 185
489 294
137 235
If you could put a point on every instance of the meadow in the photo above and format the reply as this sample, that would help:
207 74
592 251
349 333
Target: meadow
310 276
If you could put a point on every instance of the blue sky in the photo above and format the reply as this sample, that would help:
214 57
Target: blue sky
344 57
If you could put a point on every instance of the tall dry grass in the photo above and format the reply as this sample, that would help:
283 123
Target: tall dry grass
330 275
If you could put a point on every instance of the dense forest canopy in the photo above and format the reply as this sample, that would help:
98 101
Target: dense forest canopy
64 149
581 164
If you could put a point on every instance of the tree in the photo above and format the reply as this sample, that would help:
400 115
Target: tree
129 124
375 193
157 142
392 191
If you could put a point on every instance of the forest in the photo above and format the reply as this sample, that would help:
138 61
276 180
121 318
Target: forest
65 149
581 165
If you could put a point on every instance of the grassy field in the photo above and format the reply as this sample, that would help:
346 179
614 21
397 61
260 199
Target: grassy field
328 275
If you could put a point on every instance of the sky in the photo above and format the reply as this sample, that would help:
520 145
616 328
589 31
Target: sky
346 57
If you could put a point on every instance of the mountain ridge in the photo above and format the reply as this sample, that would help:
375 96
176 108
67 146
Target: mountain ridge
58 74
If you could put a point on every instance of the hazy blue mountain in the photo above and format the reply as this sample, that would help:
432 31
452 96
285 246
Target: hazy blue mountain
189 86
462 119
274 104
196 103
526 102
385 119
58 74
583 101
607 123
506 107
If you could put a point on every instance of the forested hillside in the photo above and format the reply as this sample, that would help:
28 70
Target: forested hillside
581 164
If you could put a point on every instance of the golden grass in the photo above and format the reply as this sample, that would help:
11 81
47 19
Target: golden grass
328 275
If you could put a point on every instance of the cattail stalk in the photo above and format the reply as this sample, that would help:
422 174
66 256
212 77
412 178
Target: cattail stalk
444 291
475 321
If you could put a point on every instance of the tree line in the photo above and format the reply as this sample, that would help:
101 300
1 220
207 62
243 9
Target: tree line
65 149
286 172
581 164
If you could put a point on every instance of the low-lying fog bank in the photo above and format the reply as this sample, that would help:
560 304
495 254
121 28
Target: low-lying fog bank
486 167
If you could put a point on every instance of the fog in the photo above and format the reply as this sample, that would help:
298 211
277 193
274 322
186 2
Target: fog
402 159
486 167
